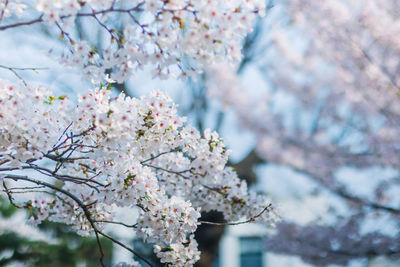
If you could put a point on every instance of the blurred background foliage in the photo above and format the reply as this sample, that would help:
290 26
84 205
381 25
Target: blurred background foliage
68 248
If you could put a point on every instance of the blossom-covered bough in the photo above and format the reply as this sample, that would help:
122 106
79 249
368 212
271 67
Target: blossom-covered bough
80 159
104 153
177 38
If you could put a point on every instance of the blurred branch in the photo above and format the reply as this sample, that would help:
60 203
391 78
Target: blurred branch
347 242
244 168
343 193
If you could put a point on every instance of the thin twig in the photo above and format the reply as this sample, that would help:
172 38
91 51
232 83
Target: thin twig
10 198
120 223
158 155
252 219
126 247
16 74
26 68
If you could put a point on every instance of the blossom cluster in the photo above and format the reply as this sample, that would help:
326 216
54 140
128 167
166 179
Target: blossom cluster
172 254
107 152
176 38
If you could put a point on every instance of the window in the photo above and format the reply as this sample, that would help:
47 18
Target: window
251 252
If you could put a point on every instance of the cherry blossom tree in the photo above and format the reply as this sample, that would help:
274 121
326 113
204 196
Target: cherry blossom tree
78 158
335 65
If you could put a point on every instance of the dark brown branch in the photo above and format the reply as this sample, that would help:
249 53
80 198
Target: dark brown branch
24 23
100 12
4 10
50 173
